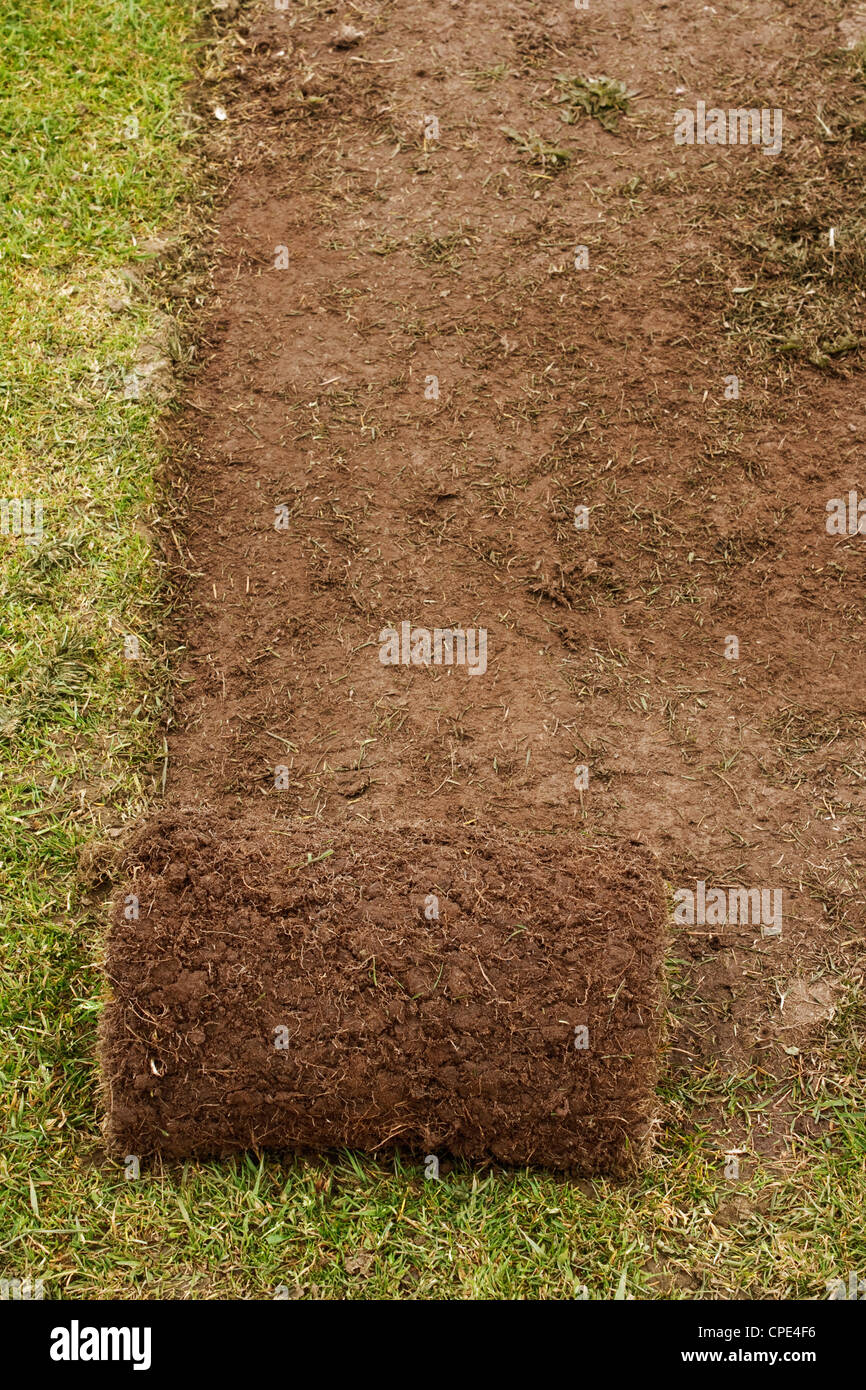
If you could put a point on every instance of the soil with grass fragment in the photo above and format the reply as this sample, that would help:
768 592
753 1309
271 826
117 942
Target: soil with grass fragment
407 389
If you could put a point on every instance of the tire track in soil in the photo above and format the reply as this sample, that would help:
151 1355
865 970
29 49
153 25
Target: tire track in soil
410 258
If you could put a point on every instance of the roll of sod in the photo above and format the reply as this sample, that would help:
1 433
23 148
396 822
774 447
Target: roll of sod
434 990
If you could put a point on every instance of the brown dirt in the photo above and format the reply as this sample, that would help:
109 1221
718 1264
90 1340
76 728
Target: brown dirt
558 388
288 989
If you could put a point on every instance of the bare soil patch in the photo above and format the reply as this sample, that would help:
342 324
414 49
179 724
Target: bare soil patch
399 424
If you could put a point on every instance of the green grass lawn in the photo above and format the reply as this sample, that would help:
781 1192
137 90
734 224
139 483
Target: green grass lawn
97 157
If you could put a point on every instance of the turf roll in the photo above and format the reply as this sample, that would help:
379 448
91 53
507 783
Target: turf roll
437 990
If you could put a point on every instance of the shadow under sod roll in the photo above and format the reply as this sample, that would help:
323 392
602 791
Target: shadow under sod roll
433 989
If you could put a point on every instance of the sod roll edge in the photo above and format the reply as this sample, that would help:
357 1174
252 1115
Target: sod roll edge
435 990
